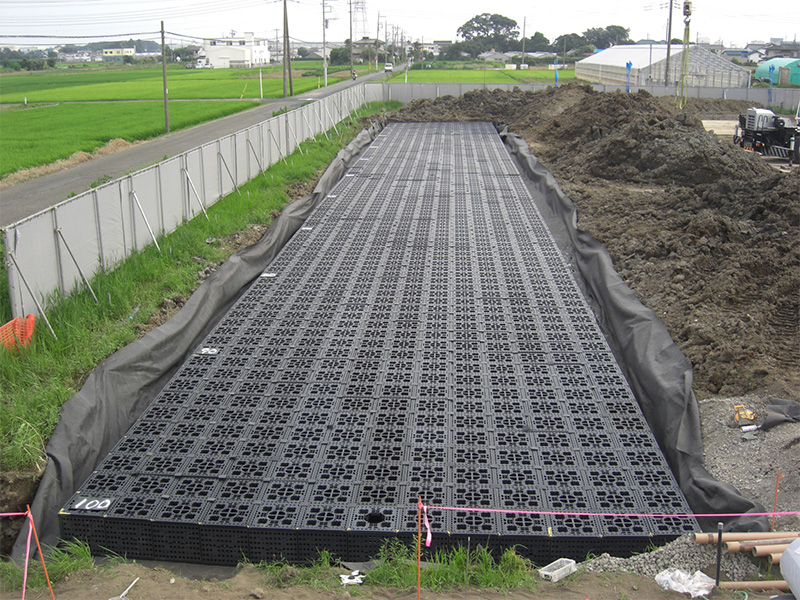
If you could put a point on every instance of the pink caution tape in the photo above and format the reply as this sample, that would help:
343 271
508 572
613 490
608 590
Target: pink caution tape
591 514
429 536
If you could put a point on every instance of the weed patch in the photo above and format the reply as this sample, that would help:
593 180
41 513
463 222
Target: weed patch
71 558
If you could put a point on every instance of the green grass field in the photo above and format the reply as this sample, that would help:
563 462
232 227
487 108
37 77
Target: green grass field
146 84
39 135
481 76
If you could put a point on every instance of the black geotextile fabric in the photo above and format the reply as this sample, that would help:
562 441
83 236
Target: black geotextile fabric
122 386
781 410
657 371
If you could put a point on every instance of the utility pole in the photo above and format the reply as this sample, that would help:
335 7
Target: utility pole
287 61
377 39
324 47
669 44
350 5
524 21
164 76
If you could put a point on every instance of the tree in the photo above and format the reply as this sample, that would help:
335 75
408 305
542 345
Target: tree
340 56
603 37
568 42
537 43
128 59
32 64
51 62
619 35
302 52
490 31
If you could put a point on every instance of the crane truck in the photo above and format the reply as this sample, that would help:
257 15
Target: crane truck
760 130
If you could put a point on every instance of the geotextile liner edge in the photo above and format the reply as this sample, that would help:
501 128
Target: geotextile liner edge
659 374
118 390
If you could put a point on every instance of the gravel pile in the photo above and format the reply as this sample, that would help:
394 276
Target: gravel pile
684 554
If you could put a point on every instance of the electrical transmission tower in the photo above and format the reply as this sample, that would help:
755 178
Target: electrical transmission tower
360 29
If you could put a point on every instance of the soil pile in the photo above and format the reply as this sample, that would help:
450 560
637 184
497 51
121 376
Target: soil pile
704 233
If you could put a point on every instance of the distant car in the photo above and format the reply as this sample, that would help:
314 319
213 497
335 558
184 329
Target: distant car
388 67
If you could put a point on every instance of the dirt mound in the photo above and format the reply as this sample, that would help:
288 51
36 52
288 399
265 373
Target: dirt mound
634 137
704 233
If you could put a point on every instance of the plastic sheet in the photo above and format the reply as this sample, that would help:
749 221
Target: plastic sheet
678 580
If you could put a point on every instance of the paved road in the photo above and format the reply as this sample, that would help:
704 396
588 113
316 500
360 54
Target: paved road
34 195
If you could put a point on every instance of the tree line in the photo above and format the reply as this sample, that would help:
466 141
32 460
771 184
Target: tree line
493 32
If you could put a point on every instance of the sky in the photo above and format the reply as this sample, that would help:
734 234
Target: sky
734 22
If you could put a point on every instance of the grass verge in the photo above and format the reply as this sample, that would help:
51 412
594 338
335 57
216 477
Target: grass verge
71 558
454 568
396 567
35 381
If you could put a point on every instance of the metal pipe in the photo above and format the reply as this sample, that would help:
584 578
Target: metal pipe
322 126
277 145
222 158
30 291
77 266
335 128
296 141
719 537
255 155
199 200
146 222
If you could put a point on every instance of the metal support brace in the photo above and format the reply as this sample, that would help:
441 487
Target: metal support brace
322 126
222 158
278 146
255 155
146 222
311 129
196 195
336 129
77 266
30 291
296 141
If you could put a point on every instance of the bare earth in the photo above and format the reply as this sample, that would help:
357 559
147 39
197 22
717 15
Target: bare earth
157 583
707 236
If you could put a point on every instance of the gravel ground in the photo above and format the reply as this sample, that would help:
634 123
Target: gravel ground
751 464
684 554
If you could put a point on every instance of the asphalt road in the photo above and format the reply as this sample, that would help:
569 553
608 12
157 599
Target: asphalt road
29 197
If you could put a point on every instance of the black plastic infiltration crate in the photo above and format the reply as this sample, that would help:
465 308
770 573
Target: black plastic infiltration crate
419 336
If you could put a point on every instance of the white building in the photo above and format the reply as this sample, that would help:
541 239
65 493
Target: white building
235 51
117 54
649 64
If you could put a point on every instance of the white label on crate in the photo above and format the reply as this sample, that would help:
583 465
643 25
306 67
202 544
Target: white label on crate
92 504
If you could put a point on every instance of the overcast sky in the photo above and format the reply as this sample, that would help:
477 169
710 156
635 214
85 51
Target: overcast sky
735 22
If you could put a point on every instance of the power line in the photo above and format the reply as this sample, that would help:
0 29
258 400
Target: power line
196 9
78 37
